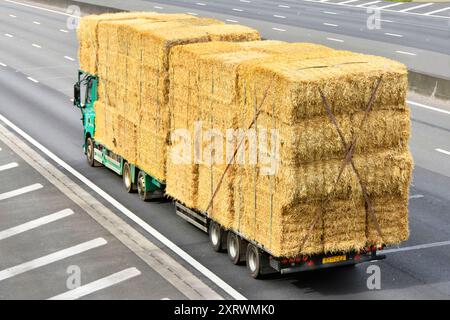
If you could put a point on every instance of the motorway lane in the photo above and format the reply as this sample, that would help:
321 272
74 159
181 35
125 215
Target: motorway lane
429 218
425 60
59 129
69 226
414 31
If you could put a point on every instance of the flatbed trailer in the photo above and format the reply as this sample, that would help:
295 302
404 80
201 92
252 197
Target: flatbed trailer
240 249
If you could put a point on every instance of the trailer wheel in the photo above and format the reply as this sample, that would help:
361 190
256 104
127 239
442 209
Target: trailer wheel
216 236
235 248
253 258
90 152
143 194
127 178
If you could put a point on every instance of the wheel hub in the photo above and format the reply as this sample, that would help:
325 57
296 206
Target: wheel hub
232 247
127 178
215 235
252 261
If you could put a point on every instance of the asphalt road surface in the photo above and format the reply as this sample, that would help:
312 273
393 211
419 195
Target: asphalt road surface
417 34
35 86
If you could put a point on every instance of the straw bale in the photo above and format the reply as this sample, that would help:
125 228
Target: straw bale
347 82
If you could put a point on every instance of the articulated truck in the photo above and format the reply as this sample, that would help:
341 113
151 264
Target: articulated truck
291 156
239 248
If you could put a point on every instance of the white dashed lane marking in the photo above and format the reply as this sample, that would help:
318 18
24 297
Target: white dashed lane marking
50 258
443 151
97 285
35 223
8 166
18 192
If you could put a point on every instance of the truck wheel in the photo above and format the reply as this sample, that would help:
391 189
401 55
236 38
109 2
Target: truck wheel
144 195
235 248
216 236
127 178
90 152
253 258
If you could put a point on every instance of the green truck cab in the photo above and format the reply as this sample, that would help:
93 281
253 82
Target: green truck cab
134 179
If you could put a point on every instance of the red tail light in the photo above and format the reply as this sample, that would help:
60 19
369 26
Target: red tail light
310 263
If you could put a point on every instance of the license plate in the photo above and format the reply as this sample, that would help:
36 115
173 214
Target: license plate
334 259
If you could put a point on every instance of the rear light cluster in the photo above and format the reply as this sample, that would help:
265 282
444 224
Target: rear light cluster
294 260
372 249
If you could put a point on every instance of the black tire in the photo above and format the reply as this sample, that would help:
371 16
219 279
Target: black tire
130 187
144 195
253 258
90 152
216 236
234 248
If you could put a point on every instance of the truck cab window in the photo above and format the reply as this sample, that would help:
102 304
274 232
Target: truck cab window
86 91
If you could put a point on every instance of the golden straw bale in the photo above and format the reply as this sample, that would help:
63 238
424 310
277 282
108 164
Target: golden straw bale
347 82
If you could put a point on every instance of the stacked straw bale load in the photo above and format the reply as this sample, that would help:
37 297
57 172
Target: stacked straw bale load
261 154
220 86
129 52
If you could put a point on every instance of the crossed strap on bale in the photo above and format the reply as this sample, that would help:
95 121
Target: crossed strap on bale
258 111
348 159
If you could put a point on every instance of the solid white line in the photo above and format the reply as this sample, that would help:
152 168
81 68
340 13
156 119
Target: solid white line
35 223
69 58
32 79
230 20
391 5
36 46
416 7
40 8
97 285
334 39
393 35
368 3
416 196
18 192
9 166
443 151
238 10
435 11
418 247
246 1
285 6
50 258
152 231
158 7
201 4
407 53
62 30
2 64
278 16
416 104
329 12
9 35
330 24
278 29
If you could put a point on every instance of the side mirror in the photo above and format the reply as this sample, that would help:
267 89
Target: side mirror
76 95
